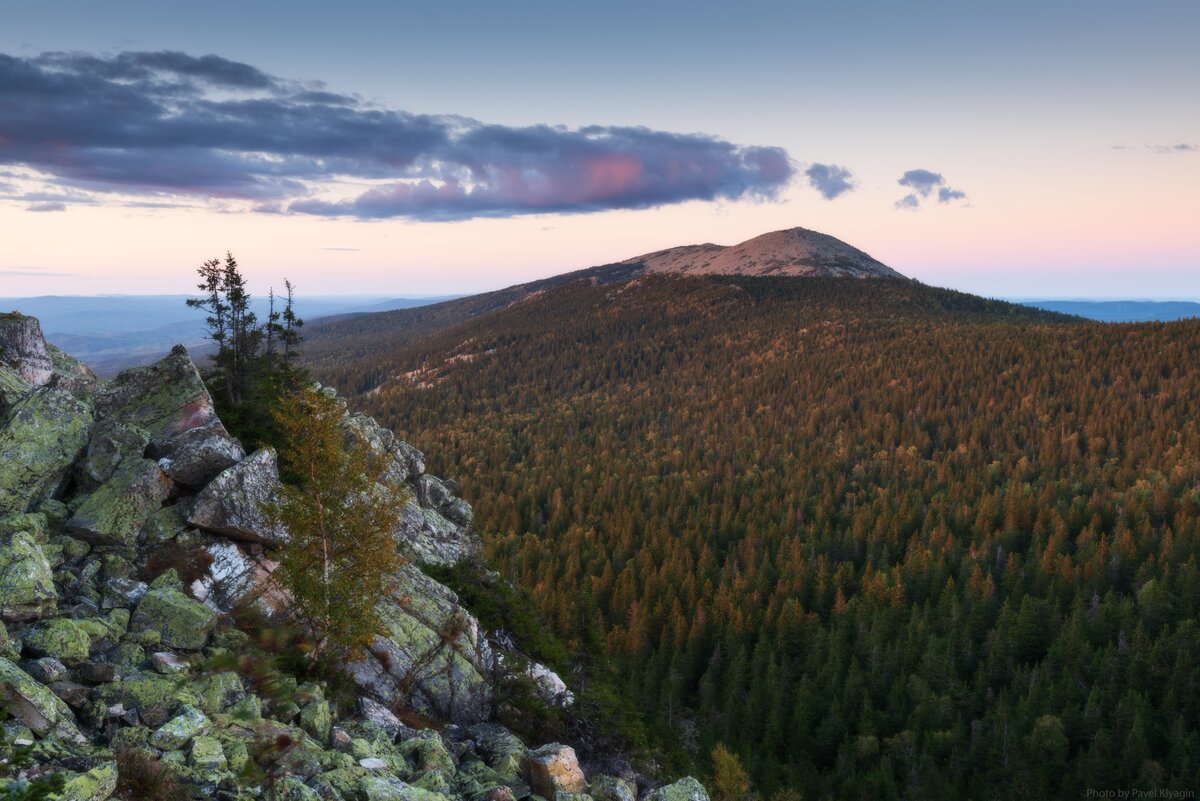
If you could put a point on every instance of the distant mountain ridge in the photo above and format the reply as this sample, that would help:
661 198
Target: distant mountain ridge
1121 311
791 252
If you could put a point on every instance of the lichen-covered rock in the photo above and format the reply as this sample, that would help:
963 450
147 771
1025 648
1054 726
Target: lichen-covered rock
379 788
71 374
96 785
500 748
181 622
112 443
553 768
432 657
154 698
235 502
430 538
116 512
12 389
41 440
612 788
69 641
35 705
26 582
316 719
23 348
686 789
197 456
164 399
207 754
179 730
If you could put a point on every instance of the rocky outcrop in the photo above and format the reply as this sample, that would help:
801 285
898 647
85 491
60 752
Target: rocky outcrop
108 495
432 656
23 349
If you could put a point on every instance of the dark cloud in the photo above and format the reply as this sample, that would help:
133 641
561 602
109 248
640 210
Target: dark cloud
830 179
171 124
923 183
50 206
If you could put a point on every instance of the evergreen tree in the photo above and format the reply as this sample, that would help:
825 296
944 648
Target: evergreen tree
342 550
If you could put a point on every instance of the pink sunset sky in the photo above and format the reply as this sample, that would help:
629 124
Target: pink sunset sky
1017 151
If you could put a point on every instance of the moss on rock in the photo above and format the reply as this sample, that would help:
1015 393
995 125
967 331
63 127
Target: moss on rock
45 433
182 622
26 582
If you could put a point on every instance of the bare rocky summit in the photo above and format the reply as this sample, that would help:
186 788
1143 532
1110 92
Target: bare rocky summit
792 252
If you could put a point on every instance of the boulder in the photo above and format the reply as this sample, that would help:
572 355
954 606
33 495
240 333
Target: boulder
612 788
432 656
116 512
686 789
23 348
70 374
164 399
235 502
500 748
552 769
26 582
388 789
43 436
112 444
182 623
179 730
207 754
35 705
69 641
197 456
234 577
97 784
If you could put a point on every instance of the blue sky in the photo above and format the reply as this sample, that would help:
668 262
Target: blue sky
1027 149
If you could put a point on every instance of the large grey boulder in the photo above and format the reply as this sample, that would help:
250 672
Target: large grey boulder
235 502
111 445
23 348
686 789
44 435
432 657
197 456
182 622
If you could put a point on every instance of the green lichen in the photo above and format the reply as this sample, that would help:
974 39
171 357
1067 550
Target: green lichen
686 789
182 622
45 433
117 510
95 785
26 581
69 641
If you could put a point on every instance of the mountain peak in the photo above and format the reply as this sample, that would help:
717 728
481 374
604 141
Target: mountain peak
793 251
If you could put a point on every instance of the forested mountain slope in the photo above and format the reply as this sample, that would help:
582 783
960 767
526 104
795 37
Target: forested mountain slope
879 538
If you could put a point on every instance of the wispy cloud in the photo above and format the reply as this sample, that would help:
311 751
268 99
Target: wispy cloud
35 272
924 183
830 179
47 206
168 124
1178 147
